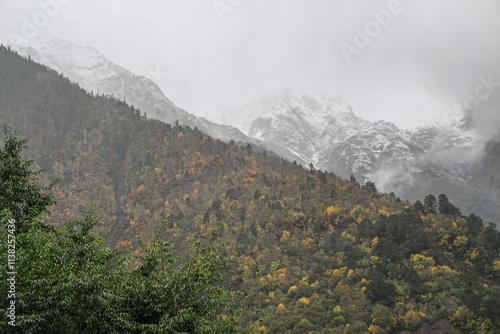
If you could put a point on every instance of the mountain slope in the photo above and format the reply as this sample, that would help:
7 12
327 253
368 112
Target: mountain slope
320 254
308 126
311 126
94 72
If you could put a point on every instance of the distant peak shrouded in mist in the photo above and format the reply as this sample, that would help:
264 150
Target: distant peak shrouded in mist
304 123
62 55
317 103
481 120
479 110
94 72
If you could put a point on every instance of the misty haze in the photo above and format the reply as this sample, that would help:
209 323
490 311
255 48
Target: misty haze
282 166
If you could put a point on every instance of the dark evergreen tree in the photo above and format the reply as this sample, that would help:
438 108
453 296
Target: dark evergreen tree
445 207
419 207
322 177
488 244
371 187
379 291
430 204
353 180
311 168
474 225
365 229
20 190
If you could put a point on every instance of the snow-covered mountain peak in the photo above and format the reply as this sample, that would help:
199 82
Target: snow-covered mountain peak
457 118
315 102
94 72
302 124
59 47
316 109
79 63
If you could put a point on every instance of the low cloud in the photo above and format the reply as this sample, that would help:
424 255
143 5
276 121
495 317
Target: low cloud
424 61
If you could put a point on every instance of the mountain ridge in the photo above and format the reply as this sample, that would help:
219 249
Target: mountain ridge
405 161
319 253
308 125
94 72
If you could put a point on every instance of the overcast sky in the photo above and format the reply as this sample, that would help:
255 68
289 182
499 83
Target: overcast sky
419 62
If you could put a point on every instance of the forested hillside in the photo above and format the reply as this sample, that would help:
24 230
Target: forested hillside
319 253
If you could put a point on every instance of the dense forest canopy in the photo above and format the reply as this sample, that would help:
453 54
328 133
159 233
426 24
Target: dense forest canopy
317 253
62 280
